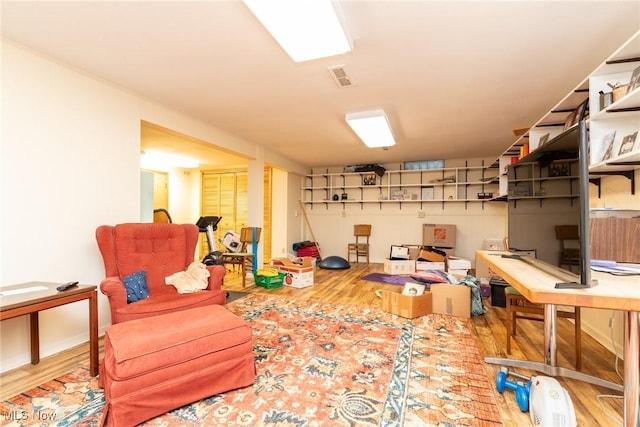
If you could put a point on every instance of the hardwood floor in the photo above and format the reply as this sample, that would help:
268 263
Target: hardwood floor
345 286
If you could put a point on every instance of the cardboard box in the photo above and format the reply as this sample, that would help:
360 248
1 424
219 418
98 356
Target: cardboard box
306 261
399 252
414 250
448 251
297 275
406 306
428 265
405 266
483 271
457 263
431 256
454 300
439 235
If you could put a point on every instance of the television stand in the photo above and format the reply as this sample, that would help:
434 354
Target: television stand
570 285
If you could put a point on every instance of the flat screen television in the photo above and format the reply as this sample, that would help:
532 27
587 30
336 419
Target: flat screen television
550 187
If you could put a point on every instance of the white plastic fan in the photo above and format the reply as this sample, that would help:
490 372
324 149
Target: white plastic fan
550 404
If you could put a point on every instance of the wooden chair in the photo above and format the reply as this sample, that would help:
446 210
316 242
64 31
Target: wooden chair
243 258
569 246
517 303
362 232
162 216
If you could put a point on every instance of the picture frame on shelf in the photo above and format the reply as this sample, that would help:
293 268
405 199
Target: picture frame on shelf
413 289
634 83
543 139
607 145
627 144
570 120
427 193
582 112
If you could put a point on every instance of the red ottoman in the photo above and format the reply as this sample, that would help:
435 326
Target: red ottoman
160 363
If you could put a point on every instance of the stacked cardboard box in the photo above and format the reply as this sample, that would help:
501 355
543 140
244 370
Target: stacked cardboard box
399 266
441 236
430 260
458 266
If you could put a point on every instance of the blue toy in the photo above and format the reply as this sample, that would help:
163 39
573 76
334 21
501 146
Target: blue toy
521 390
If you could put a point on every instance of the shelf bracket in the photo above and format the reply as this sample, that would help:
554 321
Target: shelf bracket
630 175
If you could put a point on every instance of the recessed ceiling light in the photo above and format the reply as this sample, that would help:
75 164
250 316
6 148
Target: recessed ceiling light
372 127
306 29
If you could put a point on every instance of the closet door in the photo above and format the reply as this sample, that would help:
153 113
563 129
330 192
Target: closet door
227 203
242 202
224 194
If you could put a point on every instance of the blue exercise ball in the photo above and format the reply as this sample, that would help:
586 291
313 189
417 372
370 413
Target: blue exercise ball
334 263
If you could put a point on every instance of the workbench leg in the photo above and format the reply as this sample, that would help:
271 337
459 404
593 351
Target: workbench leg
550 343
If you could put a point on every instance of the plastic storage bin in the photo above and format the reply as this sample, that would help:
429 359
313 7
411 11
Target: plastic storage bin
269 282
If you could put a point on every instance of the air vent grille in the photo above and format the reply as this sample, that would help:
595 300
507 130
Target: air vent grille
340 76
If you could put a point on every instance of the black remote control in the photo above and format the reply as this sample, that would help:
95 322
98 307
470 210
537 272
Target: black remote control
66 286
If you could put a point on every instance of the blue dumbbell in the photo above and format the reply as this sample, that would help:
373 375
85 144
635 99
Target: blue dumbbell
521 390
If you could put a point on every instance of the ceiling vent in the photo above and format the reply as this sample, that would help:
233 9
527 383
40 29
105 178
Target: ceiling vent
339 74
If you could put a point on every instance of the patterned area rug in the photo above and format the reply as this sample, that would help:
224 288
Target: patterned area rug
318 365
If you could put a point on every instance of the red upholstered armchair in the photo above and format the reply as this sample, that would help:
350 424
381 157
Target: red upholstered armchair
161 250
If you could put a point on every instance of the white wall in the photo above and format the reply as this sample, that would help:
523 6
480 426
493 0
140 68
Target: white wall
184 195
395 224
70 162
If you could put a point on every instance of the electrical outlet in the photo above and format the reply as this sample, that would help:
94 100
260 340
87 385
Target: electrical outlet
421 214
344 213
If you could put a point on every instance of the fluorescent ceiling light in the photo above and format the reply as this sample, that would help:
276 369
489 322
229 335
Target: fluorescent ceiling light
306 29
372 127
157 160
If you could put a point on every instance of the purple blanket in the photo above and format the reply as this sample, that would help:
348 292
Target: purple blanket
389 279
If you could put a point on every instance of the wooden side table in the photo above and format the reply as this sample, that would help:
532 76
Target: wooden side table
33 297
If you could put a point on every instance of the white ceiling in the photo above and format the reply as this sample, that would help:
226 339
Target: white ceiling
455 77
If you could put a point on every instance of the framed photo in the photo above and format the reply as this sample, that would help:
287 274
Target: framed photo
571 119
634 83
413 289
607 145
582 111
543 139
627 144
